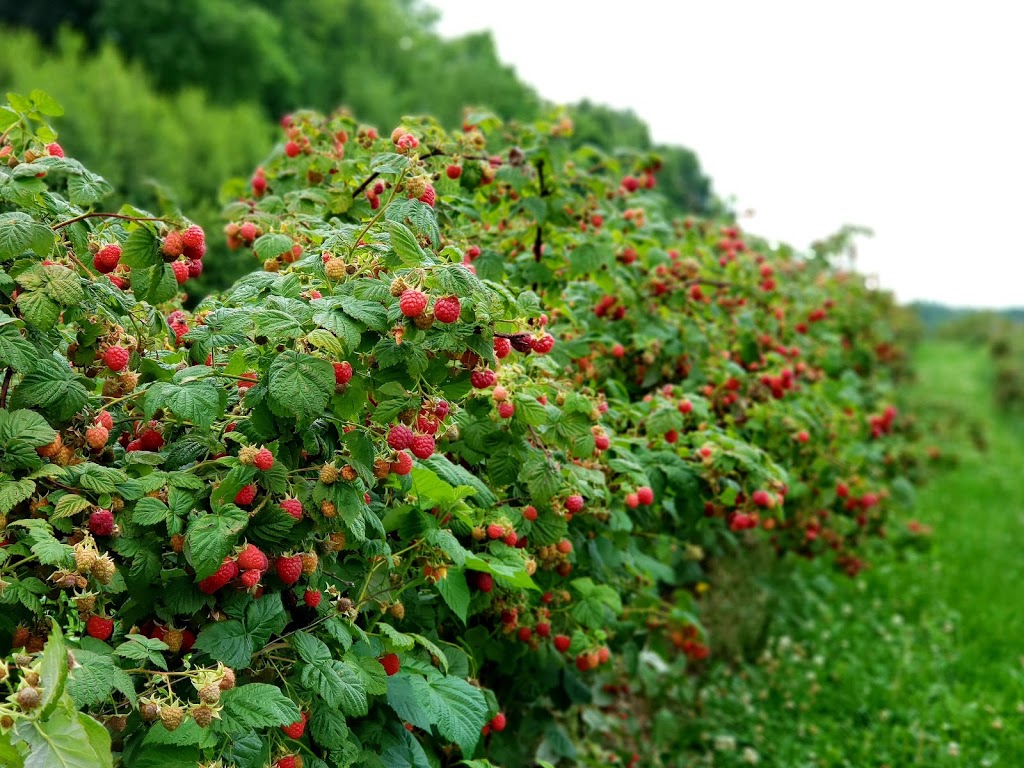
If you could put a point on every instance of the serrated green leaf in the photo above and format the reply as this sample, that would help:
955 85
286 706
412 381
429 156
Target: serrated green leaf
210 538
149 511
255 705
95 677
13 493
198 402
300 385
70 504
53 388
142 648
20 233
403 241
16 351
38 309
397 639
338 684
62 742
328 727
53 671
271 245
455 592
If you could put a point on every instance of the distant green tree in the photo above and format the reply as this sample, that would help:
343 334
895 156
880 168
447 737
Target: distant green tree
156 149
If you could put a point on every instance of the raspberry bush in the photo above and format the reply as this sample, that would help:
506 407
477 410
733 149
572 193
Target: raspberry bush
460 450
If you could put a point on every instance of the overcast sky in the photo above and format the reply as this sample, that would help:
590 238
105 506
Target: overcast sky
905 117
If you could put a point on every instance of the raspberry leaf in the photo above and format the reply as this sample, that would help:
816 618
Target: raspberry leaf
255 705
210 538
300 385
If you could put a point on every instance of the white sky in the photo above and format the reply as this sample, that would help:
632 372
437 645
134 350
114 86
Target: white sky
905 117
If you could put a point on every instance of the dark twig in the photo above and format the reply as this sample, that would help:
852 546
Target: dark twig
8 375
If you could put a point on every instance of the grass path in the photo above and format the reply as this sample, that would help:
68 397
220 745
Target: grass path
918 663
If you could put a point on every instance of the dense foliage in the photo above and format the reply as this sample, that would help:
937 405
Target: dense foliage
463 447
158 103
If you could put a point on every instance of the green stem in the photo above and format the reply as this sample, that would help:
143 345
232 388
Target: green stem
96 215
384 207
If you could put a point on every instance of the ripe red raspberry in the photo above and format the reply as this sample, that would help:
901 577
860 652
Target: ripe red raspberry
247 231
263 460
296 729
291 149
505 410
311 597
484 582
116 358
293 507
193 237
601 442
427 423
645 494
289 569
502 347
543 345
472 253
407 141
403 464
483 378
391 663
133 445
173 246
106 258
54 149
227 571
423 446
97 436
251 558
99 627
564 546
412 302
447 309
630 183
498 722
259 183
342 373
151 440
195 268
632 500
762 498
574 504
543 629
400 437
105 420
245 496
428 195
685 406
495 531
180 269
288 761
530 512
251 578
101 522
562 643
453 171
441 409
180 328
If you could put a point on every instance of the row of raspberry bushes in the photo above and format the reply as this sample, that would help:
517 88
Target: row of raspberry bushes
401 497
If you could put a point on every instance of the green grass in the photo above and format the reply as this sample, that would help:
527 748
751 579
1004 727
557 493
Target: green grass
919 661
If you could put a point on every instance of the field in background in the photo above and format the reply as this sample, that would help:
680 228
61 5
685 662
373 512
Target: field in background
919 661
